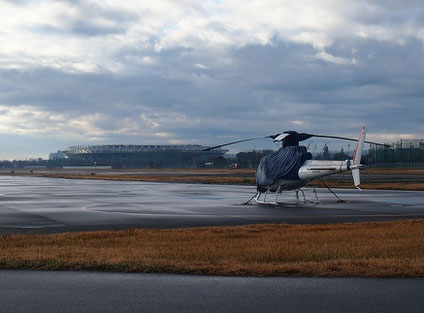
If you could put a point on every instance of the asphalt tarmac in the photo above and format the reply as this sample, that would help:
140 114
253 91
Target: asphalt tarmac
29 291
43 205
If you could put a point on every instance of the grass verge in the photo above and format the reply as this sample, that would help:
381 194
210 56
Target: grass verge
413 186
387 249
390 179
388 185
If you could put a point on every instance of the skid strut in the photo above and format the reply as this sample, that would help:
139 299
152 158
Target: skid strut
338 199
261 197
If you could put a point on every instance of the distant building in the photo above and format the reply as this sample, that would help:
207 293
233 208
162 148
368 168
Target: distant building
57 155
142 155
34 160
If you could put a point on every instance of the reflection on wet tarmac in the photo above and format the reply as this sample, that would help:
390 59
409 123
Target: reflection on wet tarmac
52 205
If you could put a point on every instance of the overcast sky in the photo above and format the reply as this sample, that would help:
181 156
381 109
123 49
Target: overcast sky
153 72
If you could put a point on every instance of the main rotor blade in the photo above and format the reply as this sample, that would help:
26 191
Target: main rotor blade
234 142
351 139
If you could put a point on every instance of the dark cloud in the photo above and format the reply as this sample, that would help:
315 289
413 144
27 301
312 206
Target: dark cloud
91 29
263 91
92 20
80 28
209 95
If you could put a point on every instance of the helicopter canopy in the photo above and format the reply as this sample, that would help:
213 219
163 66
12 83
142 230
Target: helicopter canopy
282 164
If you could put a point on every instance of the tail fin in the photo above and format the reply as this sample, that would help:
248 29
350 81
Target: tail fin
356 162
356 178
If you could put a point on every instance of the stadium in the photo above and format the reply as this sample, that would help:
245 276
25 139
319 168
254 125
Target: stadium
133 156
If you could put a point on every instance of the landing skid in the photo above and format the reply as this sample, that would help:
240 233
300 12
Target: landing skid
261 197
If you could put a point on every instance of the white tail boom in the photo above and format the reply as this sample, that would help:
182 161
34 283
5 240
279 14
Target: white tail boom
356 162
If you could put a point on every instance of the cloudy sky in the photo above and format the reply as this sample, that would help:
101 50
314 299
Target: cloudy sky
90 72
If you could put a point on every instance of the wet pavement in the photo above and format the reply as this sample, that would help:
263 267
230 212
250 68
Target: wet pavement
43 205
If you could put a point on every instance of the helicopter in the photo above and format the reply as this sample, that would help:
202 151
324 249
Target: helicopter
291 168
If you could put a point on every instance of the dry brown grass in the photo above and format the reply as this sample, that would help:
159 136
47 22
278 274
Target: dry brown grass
247 177
389 249
393 171
242 179
219 179
373 185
